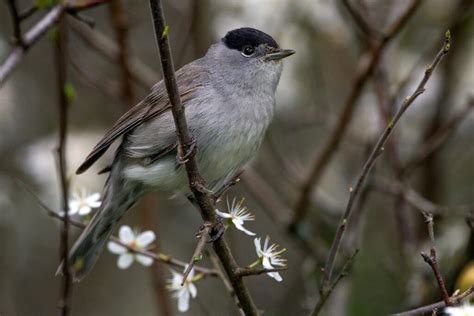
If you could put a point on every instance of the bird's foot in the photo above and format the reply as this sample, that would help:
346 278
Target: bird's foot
217 230
181 158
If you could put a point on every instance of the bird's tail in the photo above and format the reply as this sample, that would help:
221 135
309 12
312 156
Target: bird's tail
118 198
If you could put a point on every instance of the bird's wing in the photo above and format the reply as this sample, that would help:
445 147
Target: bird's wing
189 79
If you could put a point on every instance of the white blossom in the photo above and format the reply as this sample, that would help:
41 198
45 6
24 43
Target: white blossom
270 256
182 292
82 202
134 240
464 310
238 214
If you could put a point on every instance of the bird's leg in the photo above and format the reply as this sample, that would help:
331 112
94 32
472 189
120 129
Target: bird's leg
182 158
226 187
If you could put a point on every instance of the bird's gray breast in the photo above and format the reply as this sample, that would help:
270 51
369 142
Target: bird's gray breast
228 131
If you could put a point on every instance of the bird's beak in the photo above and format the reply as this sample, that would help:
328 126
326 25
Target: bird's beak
282 53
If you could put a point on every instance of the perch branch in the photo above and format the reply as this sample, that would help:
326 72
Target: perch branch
196 182
60 46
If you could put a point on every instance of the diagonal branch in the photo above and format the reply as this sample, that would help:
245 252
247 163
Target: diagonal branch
376 152
196 182
37 31
366 69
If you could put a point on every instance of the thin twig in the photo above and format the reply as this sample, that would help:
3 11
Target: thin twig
378 149
361 21
366 70
417 201
158 257
196 182
432 260
120 23
60 45
16 23
242 272
37 31
324 296
197 254
455 299
432 144
139 71
225 281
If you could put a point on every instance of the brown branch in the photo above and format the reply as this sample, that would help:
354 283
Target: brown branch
196 182
37 31
455 299
60 46
361 21
432 260
225 281
324 296
242 272
158 257
197 254
432 144
140 72
417 201
16 23
120 24
366 70
378 149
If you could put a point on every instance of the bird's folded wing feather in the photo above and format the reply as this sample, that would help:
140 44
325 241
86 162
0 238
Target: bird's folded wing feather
189 79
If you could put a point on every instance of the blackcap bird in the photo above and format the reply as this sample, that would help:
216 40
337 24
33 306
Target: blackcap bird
229 99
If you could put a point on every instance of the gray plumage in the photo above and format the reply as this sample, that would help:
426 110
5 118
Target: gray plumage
229 98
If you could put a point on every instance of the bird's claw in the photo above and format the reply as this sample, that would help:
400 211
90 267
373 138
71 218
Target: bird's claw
191 150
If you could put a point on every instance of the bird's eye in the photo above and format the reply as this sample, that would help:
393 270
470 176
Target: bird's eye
248 51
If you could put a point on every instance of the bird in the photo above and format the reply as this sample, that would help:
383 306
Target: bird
229 100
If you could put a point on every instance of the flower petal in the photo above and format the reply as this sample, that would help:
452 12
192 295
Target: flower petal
93 198
192 289
144 260
145 238
183 301
275 275
116 248
266 263
85 210
125 260
222 214
258 246
242 228
126 235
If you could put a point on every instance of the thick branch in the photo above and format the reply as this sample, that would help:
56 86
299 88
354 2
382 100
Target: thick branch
63 102
196 182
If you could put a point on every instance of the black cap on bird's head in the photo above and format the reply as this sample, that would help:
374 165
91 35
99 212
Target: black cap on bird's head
248 40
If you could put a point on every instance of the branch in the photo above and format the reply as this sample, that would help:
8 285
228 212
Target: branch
366 70
324 296
186 143
433 143
417 201
120 24
139 71
432 261
378 149
16 19
242 272
37 31
455 299
158 257
63 102
197 254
